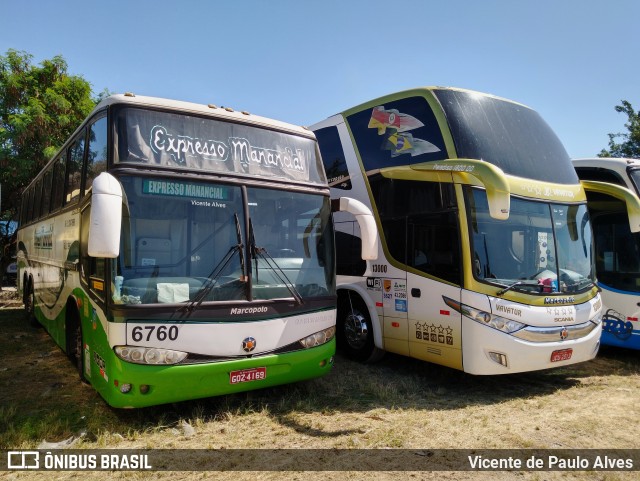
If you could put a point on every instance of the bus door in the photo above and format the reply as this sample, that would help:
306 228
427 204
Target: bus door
435 332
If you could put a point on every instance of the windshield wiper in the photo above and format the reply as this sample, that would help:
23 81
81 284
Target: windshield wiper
273 265
508 288
527 283
240 247
214 275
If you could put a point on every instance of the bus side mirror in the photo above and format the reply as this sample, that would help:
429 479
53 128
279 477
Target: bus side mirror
368 229
105 220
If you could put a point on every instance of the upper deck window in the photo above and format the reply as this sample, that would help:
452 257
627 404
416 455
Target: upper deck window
634 175
335 163
600 175
397 133
506 134
182 141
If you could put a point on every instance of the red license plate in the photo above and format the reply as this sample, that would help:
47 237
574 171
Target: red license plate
248 375
561 355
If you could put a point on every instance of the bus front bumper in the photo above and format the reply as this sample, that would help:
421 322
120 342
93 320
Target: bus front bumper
135 385
487 351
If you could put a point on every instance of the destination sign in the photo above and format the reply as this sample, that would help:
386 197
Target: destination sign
184 189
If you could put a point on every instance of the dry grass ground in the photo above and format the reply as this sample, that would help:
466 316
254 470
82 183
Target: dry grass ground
396 403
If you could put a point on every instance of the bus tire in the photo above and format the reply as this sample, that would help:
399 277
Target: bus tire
355 331
30 305
75 341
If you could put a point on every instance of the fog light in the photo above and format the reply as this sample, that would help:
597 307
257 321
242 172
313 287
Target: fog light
499 358
125 388
144 388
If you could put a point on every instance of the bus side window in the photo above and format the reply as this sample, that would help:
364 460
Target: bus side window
435 246
333 158
37 200
93 268
600 175
46 194
74 170
420 224
397 133
57 195
348 248
97 152
29 207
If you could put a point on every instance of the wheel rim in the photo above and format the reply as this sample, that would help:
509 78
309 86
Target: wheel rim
356 330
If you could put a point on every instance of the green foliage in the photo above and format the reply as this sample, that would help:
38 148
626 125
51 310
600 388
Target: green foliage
40 107
630 145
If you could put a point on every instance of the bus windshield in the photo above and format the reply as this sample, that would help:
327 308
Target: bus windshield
186 241
542 247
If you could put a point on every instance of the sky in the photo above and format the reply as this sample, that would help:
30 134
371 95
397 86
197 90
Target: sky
301 61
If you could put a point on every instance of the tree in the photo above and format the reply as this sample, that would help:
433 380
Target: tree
630 147
40 107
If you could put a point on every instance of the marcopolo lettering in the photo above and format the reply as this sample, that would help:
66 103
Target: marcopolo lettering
559 300
248 310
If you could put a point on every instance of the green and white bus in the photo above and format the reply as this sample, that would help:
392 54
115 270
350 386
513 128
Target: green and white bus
178 251
486 260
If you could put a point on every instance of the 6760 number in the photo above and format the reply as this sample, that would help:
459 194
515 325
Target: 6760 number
161 333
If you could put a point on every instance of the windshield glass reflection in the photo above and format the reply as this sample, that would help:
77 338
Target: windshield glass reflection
186 242
542 247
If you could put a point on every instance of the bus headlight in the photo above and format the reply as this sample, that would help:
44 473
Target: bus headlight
318 338
500 323
147 355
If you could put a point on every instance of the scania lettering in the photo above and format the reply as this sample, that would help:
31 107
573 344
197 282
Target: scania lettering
172 250
613 187
483 224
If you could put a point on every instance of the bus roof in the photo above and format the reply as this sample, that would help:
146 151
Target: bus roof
613 163
419 91
210 110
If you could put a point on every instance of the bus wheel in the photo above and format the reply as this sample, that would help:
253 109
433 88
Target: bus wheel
355 332
75 343
30 305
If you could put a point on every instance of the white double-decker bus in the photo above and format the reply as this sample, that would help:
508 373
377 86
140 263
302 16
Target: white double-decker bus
486 259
